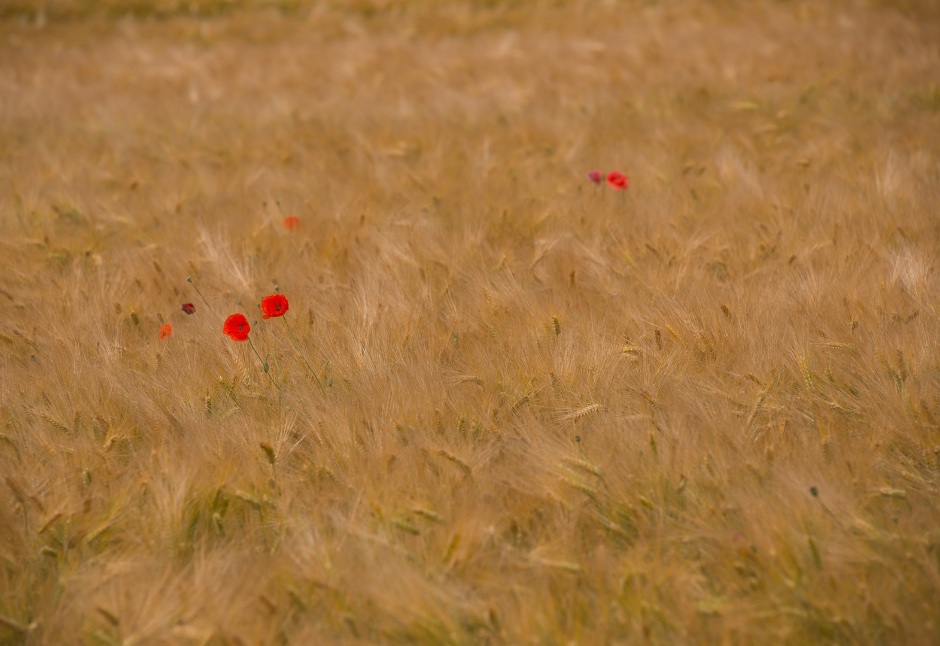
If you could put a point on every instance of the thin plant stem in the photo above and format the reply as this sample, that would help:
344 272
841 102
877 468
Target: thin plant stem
277 366
297 347
190 281
264 364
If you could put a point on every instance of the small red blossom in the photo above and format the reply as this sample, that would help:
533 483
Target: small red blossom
236 326
189 308
596 176
274 305
618 181
292 223
166 331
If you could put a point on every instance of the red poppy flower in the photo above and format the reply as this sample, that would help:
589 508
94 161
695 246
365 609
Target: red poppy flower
596 176
189 308
274 305
236 326
618 181
166 330
292 223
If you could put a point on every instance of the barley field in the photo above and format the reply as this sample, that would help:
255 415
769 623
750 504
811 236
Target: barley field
510 401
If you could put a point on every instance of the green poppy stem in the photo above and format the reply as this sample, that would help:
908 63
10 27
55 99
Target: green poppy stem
264 364
191 282
297 347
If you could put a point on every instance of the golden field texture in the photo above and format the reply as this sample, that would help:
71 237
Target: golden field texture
702 410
